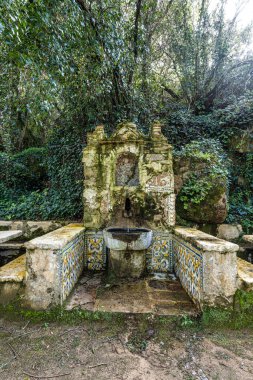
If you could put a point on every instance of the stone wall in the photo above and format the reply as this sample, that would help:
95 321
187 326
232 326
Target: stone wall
54 263
12 277
31 228
205 265
188 265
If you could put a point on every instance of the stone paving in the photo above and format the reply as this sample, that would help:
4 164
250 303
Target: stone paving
161 296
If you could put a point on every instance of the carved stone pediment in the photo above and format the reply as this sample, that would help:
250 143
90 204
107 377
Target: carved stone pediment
127 131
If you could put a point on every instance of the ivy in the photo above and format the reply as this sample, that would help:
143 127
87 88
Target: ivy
194 190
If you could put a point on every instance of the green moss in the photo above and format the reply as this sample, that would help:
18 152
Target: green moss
243 302
58 314
148 207
87 218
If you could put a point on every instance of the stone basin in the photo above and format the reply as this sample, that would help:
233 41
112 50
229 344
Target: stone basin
127 239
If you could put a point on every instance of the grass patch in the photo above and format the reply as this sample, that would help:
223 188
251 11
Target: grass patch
59 314
228 319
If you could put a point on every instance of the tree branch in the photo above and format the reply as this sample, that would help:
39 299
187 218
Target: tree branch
136 28
171 92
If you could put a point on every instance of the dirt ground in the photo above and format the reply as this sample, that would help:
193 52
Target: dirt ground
130 348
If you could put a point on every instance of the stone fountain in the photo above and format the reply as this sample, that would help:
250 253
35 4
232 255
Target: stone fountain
129 192
127 250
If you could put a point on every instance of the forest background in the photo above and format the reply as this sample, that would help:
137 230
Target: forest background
69 65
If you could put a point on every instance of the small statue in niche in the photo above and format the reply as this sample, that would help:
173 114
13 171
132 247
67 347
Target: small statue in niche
127 172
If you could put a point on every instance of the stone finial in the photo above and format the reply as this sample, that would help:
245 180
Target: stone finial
100 131
156 130
96 135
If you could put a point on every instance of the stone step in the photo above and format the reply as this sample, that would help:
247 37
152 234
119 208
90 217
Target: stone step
13 271
12 245
12 276
9 235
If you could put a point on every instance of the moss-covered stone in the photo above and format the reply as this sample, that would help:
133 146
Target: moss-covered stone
201 182
128 166
211 209
243 301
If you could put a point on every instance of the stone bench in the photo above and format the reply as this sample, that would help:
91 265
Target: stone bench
206 266
54 263
245 275
9 235
12 276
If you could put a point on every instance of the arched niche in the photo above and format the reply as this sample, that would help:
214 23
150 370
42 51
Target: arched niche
127 171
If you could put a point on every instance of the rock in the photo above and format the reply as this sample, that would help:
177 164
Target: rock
248 238
193 171
178 183
212 209
150 332
245 275
229 231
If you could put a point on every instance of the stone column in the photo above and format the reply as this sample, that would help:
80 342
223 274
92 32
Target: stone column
92 178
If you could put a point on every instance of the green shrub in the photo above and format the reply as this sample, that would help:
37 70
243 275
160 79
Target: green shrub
194 190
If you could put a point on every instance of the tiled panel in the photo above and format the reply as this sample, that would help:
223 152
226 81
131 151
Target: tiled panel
188 267
95 251
159 255
71 265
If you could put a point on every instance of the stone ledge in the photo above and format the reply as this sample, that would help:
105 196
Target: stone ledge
5 224
57 239
245 274
9 235
13 271
205 242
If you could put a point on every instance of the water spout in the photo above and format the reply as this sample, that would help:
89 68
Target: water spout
128 208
